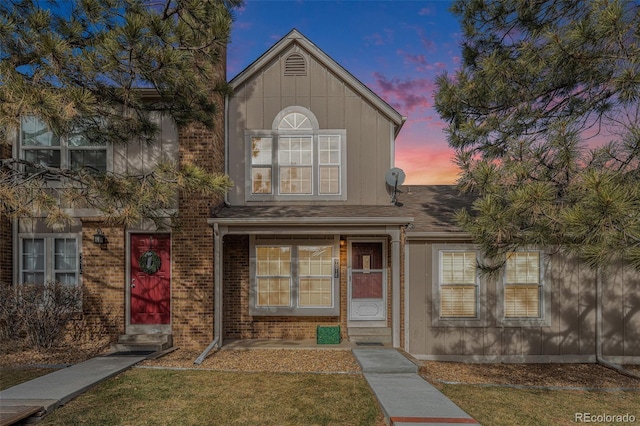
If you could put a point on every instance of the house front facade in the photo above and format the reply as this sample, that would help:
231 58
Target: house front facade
313 234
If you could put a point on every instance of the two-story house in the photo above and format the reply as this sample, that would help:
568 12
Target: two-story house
313 235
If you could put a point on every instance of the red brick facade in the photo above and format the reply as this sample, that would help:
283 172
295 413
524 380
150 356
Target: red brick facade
238 324
104 278
192 241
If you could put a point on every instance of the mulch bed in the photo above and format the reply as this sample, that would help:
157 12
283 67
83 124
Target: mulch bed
264 360
340 361
561 375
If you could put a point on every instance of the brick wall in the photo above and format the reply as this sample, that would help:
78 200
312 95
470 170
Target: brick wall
238 324
103 277
192 242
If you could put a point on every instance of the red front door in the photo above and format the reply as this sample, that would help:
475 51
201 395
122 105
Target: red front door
151 280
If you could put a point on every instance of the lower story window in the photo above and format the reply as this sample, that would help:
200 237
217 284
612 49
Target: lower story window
295 279
522 286
458 284
46 259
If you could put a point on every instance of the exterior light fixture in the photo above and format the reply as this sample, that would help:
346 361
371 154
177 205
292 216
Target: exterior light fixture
99 238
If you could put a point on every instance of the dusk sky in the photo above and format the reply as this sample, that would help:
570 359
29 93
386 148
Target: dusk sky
396 48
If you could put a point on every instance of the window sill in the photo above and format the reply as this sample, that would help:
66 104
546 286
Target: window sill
525 322
458 322
293 197
293 312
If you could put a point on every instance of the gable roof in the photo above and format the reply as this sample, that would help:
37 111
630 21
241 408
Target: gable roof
295 37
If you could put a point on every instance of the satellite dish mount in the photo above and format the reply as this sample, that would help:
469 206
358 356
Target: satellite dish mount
394 178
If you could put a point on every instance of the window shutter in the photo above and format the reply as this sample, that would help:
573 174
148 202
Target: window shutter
295 65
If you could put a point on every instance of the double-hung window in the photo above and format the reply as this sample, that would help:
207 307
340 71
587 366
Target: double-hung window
458 284
296 159
40 146
294 278
523 285
45 259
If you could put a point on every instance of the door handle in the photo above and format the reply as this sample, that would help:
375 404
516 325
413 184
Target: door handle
133 283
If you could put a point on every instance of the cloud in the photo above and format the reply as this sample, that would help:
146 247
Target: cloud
405 95
379 39
425 11
420 62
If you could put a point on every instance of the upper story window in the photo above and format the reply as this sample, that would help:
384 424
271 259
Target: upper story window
296 159
39 145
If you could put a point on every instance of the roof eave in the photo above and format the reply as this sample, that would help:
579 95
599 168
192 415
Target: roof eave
312 221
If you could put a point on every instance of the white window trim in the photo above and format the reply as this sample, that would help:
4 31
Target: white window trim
65 150
49 257
294 309
274 133
481 297
545 297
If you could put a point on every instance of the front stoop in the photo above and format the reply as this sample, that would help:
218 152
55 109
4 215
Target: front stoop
143 343
370 335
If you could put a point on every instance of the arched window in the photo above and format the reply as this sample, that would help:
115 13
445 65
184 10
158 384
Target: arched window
297 159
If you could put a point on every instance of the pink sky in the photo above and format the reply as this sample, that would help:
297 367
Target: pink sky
396 48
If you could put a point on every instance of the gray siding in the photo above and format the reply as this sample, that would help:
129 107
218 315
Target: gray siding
369 134
569 335
136 157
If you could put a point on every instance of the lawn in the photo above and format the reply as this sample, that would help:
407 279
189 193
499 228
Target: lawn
508 406
10 376
167 397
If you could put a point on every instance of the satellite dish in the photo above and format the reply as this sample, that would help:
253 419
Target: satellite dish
394 178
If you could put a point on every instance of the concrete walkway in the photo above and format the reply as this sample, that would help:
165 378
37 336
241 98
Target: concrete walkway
406 398
50 391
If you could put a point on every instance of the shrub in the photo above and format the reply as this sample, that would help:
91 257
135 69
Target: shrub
10 328
40 312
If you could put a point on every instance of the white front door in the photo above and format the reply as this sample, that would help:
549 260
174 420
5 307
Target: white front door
367 281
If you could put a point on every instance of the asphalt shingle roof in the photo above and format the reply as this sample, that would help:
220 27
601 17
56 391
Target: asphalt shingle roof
433 208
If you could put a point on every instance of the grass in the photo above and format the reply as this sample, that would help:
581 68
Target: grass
508 406
10 376
166 397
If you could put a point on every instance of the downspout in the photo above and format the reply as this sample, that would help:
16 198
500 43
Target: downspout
226 143
599 357
395 288
217 300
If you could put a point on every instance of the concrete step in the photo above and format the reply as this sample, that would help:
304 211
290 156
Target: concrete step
370 335
142 342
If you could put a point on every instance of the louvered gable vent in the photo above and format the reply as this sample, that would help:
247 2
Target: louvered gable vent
295 65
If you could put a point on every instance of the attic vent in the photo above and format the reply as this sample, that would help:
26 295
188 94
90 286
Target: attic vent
295 65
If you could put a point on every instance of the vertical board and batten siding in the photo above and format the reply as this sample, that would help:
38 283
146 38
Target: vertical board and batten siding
137 157
569 336
255 104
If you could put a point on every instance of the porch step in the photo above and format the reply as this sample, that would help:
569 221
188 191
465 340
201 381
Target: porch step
143 342
370 335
